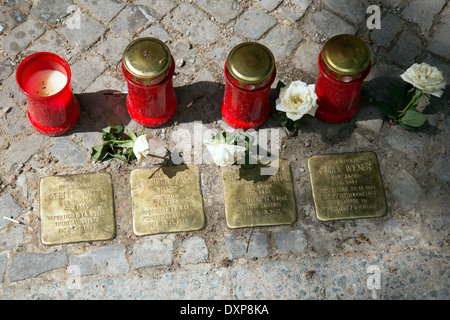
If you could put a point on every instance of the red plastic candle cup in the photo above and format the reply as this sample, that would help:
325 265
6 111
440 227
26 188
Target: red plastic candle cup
343 63
249 73
44 78
148 68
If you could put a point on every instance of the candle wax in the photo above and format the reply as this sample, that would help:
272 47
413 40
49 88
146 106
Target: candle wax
46 83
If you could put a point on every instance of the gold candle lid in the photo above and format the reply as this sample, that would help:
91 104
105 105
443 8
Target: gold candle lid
346 54
147 60
251 64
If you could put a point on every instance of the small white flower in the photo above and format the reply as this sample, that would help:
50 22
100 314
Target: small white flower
224 154
426 78
297 99
141 147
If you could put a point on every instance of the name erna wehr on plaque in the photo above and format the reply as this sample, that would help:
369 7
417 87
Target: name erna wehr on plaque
347 186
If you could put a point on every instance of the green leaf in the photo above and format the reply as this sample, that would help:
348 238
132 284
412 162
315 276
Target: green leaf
413 118
131 134
388 110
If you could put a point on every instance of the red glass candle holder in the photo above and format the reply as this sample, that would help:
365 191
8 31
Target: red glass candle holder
152 105
245 109
54 113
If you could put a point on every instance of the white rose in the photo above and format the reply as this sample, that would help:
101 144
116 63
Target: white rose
224 154
141 147
297 99
425 78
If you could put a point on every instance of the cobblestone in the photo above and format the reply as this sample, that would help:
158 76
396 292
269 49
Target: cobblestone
254 23
27 265
224 10
329 24
103 9
157 251
21 37
423 13
306 260
89 32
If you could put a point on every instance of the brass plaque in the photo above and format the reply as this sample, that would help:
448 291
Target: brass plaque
77 208
254 199
166 199
347 186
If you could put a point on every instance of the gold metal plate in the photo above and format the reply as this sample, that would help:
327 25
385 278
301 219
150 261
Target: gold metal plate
252 199
166 199
347 186
77 208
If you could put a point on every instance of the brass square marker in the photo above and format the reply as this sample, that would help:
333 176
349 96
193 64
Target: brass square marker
166 199
77 208
255 199
347 186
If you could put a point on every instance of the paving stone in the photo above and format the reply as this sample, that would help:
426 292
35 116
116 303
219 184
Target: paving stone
13 238
157 31
269 5
51 41
113 47
158 8
439 44
353 10
282 40
3 265
406 190
423 12
404 141
108 259
293 10
254 23
12 88
23 150
291 241
12 119
222 10
258 247
306 56
195 251
89 32
345 278
220 53
68 153
103 9
27 265
156 251
391 25
5 69
392 3
329 24
441 223
106 83
21 37
191 21
50 11
131 20
86 70
406 50
8 208
440 169
12 14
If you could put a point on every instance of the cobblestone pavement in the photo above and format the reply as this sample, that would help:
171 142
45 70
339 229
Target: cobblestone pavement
408 250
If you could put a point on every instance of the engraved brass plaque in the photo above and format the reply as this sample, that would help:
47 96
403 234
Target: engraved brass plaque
77 208
254 199
347 186
166 199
